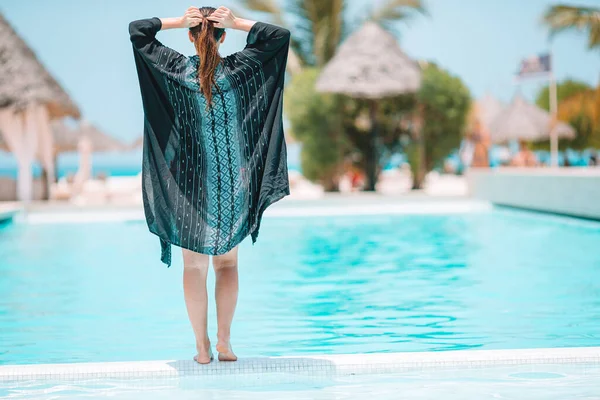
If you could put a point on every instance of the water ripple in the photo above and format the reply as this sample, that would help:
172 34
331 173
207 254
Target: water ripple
98 292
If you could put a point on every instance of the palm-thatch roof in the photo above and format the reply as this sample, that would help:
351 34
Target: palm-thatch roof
370 64
487 109
3 145
521 120
137 143
67 139
24 80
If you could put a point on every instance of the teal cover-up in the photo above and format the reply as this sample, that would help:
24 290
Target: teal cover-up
209 173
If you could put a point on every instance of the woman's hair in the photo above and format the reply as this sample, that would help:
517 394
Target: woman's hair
205 40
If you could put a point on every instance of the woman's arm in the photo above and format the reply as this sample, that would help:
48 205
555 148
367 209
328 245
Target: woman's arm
191 18
171 23
243 24
264 41
224 18
150 51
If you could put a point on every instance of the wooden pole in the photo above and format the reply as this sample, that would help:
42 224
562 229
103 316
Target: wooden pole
553 111
373 159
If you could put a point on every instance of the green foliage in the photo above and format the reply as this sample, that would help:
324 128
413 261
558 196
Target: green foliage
444 102
564 89
392 114
316 122
588 134
320 26
335 130
583 19
328 127
390 12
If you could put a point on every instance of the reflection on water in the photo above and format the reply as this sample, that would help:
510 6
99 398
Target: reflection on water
366 276
98 292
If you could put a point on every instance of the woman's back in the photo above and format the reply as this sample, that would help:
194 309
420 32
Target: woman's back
210 170
214 152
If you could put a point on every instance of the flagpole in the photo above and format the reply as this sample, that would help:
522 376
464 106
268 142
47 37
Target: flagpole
553 110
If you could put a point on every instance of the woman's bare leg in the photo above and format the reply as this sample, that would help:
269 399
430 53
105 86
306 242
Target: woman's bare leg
226 294
195 270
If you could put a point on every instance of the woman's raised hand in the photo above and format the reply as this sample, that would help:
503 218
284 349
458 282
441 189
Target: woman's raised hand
191 18
223 18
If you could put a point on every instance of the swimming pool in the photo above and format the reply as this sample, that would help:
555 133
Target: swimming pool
82 292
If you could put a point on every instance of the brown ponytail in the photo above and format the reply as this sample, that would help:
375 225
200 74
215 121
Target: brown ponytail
205 40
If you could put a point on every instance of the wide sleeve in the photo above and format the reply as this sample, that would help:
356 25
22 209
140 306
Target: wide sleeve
266 42
152 52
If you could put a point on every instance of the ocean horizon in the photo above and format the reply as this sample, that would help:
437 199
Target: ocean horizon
109 164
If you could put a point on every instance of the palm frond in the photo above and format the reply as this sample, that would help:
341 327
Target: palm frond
393 11
587 102
319 26
584 19
265 6
296 58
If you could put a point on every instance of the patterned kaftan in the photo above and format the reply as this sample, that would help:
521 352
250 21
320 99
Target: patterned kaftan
208 174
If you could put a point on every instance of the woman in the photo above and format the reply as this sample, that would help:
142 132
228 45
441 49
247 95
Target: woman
525 157
214 156
481 145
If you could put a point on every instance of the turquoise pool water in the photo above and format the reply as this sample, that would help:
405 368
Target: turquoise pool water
502 279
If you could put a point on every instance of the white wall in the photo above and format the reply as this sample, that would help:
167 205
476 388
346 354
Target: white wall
571 191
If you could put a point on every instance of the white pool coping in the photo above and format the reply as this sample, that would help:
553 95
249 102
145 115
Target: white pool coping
9 210
405 208
317 365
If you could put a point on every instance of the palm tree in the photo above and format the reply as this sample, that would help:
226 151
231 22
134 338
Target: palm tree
320 26
586 102
584 19
583 107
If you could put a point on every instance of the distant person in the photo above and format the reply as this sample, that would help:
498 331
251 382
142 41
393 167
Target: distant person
214 153
465 154
525 157
357 179
481 146
593 160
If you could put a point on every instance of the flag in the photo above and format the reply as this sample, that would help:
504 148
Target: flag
535 66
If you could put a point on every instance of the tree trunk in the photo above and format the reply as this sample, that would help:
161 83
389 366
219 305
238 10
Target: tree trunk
421 165
331 184
419 177
372 156
55 168
45 185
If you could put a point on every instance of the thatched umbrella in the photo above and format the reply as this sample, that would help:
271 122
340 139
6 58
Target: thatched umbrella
67 139
521 120
85 139
3 145
370 65
137 143
487 109
24 80
29 98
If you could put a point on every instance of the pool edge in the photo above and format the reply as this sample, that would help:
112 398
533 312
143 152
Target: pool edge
342 364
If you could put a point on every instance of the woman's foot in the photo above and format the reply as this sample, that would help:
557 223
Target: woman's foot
225 352
205 354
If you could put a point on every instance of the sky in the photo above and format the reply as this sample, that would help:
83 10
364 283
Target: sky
85 45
